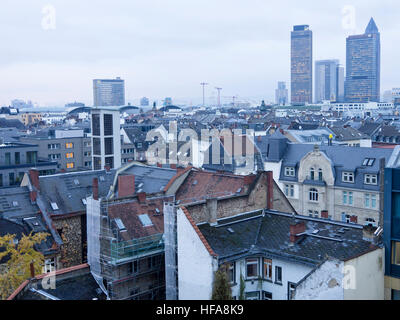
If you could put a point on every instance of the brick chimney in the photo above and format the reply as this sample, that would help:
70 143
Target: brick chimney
34 177
172 166
126 186
324 214
142 197
270 190
95 188
159 165
296 228
33 196
212 205
353 219
248 179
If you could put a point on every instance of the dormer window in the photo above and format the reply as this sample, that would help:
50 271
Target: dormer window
312 173
320 174
371 179
348 177
289 171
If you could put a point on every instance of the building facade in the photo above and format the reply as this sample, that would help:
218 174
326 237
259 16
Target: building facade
109 92
281 94
301 65
363 64
326 80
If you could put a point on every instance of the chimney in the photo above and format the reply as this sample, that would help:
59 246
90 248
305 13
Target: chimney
159 165
212 205
95 189
126 186
248 179
32 268
270 190
33 196
324 214
172 166
353 219
369 234
296 228
141 197
34 177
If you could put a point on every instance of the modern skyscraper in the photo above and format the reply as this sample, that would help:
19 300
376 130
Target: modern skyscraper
326 80
301 65
339 83
281 94
363 65
144 102
109 92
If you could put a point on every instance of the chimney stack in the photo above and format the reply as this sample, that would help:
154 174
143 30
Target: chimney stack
296 228
159 165
141 197
324 214
270 190
33 196
126 186
34 177
95 188
369 234
172 166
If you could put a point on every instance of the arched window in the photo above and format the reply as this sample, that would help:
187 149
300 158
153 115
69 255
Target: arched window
313 194
312 173
320 174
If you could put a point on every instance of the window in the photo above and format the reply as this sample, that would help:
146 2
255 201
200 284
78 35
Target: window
348 177
396 252
370 200
108 125
312 173
313 195
87 153
145 220
96 124
11 178
49 265
87 144
291 290
266 295
255 295
289 190
350 198
96 146
109 161
31 157
54 156
54 146
69 155
8 158
88 164
69 145
368 162
17 158
133 267
1 180
108 146
278 274
231 272
289 171
370 222
267 269
370 179
251 268
320 174
344 197
70 165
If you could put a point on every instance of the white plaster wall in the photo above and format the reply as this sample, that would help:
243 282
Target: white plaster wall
291 272
325 283
369 275
275 167
195 265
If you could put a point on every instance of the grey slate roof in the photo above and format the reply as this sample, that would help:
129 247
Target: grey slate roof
269 235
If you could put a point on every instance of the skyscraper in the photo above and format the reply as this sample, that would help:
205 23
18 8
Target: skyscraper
339 83
301 65
281 94
363 64
326 80
108 92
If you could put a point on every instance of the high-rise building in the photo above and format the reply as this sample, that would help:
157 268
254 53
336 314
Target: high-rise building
109 92
144 102
301 65
326 80
363 64
339 83
281 94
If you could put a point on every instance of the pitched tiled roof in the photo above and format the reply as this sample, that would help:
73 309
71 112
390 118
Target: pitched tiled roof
251 234
202 185
197 230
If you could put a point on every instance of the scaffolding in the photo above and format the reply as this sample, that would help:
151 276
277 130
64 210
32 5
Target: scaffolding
171 263
123 269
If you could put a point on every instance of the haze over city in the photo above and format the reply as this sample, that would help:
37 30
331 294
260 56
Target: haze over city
166 48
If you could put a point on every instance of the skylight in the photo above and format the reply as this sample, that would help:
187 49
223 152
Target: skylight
54 205
120 224
145 220
76 181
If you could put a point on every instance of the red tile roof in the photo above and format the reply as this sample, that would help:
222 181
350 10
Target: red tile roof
202 238
201 185
178 174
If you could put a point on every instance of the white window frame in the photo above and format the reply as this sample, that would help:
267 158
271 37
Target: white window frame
313 195
290 172
348 177
252 262
370 179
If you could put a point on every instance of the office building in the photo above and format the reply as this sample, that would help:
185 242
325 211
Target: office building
363 63
326 80
109 92
301 65
281 94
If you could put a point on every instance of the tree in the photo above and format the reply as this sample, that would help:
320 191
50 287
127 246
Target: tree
221 287
19 258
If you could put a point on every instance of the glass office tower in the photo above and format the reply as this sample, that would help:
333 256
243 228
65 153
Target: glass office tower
301 65
363 64
108 92
326 80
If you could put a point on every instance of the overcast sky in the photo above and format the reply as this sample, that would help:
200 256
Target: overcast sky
167 47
